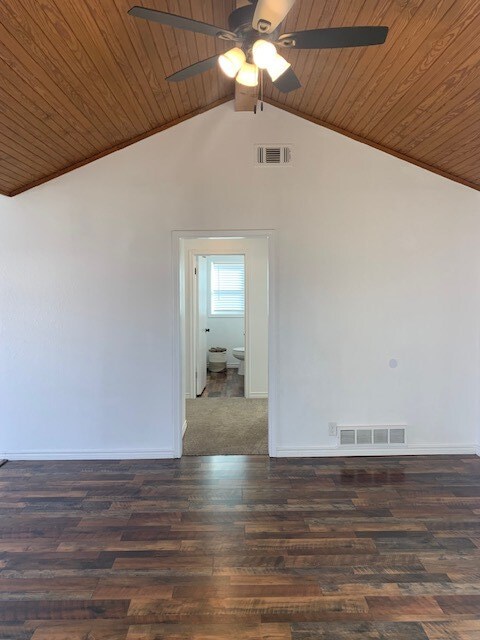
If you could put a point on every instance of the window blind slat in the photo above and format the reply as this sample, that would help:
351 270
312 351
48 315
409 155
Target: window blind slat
227 288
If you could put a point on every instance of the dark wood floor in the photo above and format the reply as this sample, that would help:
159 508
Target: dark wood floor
243 548
224 384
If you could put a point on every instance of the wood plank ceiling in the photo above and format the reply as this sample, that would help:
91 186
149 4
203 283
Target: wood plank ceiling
79 79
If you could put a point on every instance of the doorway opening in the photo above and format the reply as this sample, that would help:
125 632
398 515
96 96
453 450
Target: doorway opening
223 334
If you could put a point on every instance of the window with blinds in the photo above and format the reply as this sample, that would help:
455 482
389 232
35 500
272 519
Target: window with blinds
227 288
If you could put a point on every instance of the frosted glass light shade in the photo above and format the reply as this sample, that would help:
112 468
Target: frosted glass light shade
263 53
248 75
232 61
277 66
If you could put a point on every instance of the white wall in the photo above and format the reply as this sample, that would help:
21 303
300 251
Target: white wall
376 259
255 250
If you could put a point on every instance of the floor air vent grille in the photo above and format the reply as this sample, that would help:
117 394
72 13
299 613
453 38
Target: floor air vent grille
273 154
372 436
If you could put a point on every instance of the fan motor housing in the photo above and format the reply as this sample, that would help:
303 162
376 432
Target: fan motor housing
241 19
240 22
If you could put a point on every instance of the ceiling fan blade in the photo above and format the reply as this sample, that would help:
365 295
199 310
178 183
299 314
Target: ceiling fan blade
193 69
179 22
334 38
287 82
270 13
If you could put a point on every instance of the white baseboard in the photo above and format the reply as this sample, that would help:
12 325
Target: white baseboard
184 428
257 394
131 454
410 450
281 452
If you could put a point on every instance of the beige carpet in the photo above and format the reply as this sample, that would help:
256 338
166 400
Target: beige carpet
219 426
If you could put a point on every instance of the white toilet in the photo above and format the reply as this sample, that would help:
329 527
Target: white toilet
239 354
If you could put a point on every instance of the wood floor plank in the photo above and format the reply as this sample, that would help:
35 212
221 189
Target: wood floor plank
253 631
359 631
242 547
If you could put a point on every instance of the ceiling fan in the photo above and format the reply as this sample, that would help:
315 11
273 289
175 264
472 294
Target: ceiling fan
255 31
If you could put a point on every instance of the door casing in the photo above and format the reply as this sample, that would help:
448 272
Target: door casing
199 317
178 373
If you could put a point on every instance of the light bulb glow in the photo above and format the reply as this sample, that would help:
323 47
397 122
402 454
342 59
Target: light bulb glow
263 53
277 66
248 75
232 61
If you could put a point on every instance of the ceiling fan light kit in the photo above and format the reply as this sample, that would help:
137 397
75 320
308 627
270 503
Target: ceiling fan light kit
263 53
277 67
232 61
251 53
248 75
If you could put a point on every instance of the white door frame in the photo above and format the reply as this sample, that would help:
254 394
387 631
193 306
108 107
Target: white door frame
194 313
193 320
178 416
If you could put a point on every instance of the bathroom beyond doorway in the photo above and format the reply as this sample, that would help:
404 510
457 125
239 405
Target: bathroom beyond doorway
221 412
219 324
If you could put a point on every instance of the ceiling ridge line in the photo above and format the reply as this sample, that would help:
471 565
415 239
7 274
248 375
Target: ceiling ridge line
375 145
120 145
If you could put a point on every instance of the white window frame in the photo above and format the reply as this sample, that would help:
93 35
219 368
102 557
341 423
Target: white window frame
232 259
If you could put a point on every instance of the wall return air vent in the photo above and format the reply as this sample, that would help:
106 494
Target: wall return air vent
273 154
372 436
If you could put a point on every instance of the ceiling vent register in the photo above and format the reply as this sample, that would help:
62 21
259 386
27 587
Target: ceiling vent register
273 154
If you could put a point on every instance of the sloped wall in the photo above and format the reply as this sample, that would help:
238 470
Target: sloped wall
376 259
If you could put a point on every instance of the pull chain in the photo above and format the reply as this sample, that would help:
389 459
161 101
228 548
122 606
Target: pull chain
261 90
